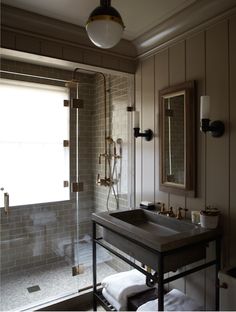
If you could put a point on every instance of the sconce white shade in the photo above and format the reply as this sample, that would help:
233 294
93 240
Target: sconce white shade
204 107
136 120
104 33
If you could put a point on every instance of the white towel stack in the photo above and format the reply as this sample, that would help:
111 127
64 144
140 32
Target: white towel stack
175 300
118 287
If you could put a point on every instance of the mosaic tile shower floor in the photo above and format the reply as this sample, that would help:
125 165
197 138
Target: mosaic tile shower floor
55 281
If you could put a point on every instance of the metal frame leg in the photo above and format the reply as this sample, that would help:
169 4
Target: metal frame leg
217 267
160 283
94 268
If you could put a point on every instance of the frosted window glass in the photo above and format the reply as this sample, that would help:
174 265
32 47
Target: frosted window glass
33 125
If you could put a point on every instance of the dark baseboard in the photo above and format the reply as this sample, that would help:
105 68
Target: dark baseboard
82 302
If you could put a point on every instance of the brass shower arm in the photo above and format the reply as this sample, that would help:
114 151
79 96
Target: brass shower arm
105 108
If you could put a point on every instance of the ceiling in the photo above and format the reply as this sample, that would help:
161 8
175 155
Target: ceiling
139 16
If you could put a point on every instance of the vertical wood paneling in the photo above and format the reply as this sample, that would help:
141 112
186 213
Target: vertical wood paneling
217 170
209 58
232 125
161 82
138 146
177 75
177 63
195 70
148 123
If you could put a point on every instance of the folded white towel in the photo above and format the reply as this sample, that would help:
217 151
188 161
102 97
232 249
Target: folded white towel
122 285
175 300
112 301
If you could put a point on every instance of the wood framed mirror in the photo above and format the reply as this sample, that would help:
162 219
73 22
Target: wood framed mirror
177 142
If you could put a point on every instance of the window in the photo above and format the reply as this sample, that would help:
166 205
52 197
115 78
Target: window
33 125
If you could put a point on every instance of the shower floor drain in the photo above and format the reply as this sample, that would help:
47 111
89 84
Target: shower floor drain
33 288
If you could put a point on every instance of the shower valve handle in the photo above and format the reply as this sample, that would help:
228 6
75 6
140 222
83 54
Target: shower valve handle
98 179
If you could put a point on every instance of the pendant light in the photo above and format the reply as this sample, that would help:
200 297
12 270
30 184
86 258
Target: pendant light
105 26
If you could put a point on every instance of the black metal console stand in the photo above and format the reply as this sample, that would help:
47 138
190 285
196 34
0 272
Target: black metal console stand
160 283
156 278
94 268
218 266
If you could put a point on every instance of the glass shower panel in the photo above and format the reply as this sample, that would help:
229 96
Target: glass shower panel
46 248
38 238
119 171
80 168
99 126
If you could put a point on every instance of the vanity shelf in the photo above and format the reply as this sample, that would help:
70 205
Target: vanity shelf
139 233
103 301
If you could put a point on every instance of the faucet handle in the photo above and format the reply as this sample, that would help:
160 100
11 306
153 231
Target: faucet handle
6 203
163 207
171 212
185 213
179 215
98 182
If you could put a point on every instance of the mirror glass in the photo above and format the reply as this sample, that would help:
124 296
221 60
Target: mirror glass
177 139
174 138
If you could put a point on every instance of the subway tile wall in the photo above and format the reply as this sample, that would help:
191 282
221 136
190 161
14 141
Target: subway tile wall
118 98
40 234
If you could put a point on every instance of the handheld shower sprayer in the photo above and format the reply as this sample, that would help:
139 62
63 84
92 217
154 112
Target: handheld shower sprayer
119 141
110 140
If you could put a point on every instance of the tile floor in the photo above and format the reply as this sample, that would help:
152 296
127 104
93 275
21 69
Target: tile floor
55 281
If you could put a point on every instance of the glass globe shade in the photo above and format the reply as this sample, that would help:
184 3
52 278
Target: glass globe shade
104 33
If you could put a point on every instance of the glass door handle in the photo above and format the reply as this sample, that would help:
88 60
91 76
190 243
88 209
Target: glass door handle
6 203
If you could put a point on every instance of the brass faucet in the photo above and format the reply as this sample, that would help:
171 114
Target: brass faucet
170 213
163 210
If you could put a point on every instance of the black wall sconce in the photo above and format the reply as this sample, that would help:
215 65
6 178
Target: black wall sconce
147 134
217 127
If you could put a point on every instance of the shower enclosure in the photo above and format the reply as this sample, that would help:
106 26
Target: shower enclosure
46 250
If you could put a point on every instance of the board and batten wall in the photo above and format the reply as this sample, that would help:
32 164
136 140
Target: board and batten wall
209 57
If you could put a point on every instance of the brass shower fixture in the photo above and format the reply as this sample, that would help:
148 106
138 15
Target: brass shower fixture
110 140
104 181
108 156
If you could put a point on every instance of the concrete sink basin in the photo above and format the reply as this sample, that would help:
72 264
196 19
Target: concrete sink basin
143 234
153 222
